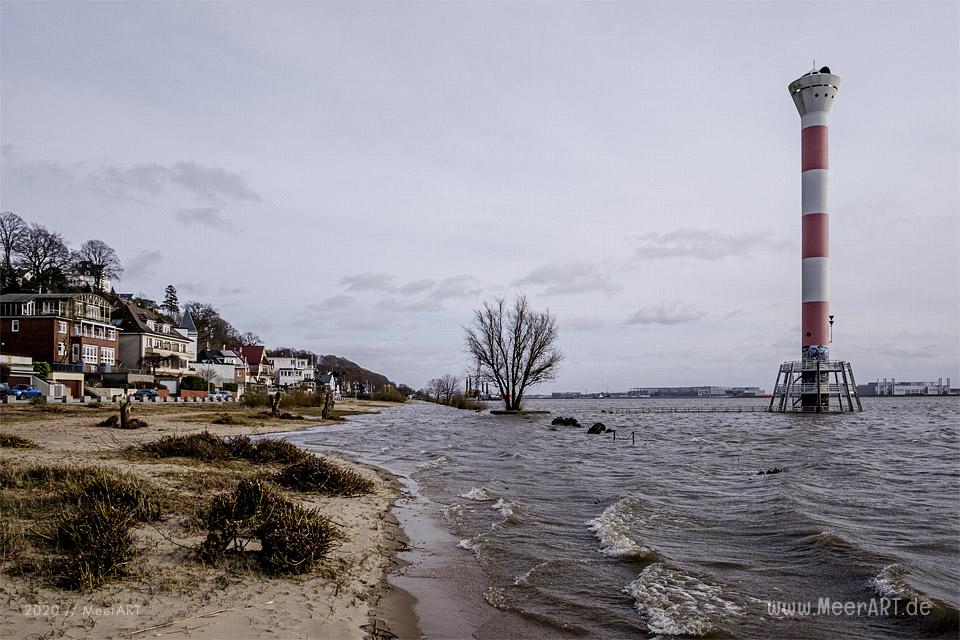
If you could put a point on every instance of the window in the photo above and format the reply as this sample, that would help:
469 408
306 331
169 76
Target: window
76 353
14 325
61 327
149 342
61 349
107 355
90 353
111 334
28 309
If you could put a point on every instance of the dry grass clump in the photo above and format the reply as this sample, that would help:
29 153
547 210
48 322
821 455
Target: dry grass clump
226 418
113 422
97 542
10 441
83 516
292 539
270 450
79 486
208 447
322 476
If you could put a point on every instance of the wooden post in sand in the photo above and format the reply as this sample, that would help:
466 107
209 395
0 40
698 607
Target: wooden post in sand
124 412
327 405
275 404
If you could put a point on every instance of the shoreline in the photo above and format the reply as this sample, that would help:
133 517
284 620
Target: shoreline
168 590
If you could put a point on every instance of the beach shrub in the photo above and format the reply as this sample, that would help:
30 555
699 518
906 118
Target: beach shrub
112 489
10 441
292 539
97 540
271 450
255 398
226 418
113 422
193 383
91 526
209 448
565 422
457 401
322 476
389 394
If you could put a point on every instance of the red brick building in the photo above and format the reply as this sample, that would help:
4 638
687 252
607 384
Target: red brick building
70 330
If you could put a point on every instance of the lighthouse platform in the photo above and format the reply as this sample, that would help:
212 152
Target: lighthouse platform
815 386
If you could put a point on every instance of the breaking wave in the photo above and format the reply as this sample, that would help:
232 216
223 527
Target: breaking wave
612 528
677 604
478 494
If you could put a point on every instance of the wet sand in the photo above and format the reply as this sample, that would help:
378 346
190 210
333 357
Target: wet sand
169 592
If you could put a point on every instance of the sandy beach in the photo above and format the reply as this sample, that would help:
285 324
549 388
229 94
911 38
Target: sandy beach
169 592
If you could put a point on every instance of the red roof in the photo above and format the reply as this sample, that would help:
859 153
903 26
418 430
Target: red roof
253 354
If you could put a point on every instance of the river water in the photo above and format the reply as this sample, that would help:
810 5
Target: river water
526 530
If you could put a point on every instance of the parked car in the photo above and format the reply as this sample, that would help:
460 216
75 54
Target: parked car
4 389
220 394
144 394
21 391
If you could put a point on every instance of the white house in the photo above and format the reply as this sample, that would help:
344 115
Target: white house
290 371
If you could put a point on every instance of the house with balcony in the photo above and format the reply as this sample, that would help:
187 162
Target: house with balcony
290 371
150 343
71 331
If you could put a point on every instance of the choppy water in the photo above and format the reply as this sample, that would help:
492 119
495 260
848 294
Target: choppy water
557 533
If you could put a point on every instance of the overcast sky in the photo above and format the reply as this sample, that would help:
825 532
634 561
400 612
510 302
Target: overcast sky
356 178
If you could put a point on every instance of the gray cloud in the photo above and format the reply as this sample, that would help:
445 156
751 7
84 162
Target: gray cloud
456 287
337 301
591 323
212 184
369 281
142 265
207 217
426 304
907 351
209 183
416 286
560 278
673 313
432 293
707 244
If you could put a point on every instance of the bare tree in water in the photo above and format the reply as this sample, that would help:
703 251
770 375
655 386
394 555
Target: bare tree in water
515 347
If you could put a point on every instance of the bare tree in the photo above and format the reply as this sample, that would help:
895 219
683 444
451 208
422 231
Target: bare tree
450 386
43 253
12 230
515 346
435 388
208 374
100 259
249 338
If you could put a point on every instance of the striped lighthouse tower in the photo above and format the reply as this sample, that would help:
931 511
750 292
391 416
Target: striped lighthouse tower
806 383
814 94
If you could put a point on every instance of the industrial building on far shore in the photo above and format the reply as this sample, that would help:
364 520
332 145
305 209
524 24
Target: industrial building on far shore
893 387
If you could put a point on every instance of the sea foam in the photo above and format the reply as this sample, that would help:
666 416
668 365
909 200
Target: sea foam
612 528
478 494
677 604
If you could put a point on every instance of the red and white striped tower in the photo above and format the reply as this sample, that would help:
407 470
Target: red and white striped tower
805 385
814 93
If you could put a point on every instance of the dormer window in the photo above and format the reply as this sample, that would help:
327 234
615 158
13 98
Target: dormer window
28 308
